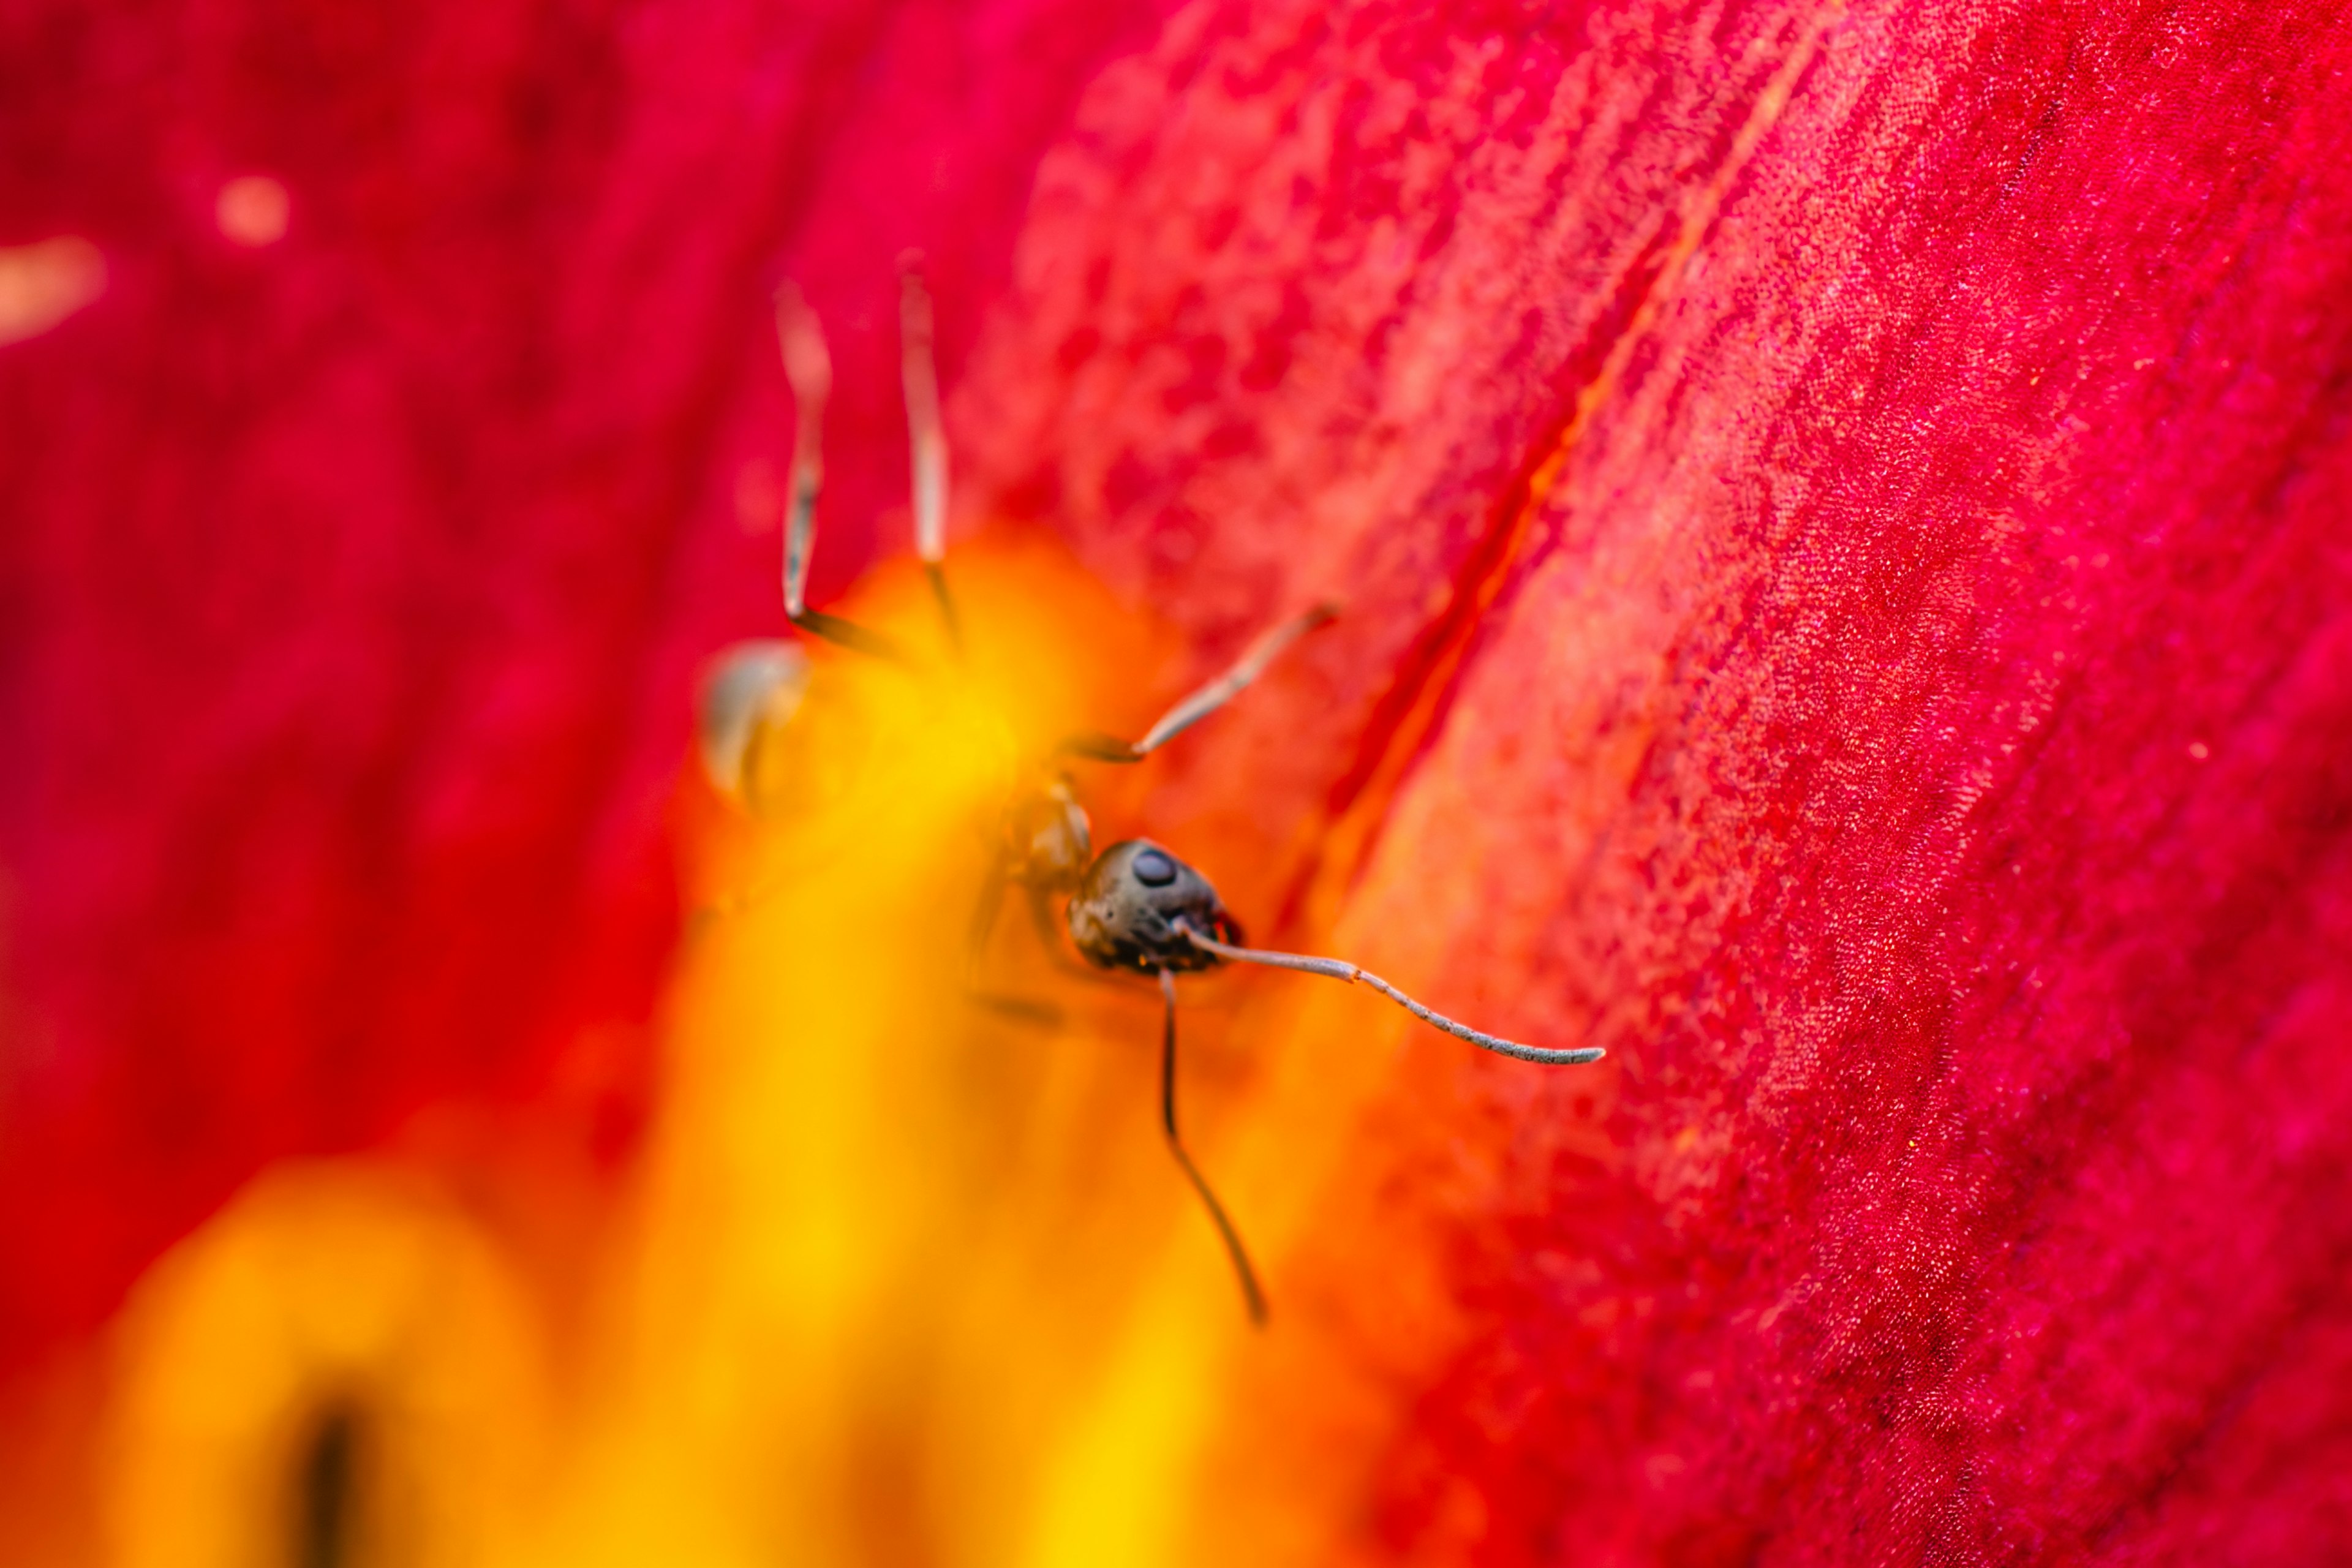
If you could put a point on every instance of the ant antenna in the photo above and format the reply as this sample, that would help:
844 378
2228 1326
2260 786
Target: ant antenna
1337 969
809 369
1208 698
1248 1276
927 439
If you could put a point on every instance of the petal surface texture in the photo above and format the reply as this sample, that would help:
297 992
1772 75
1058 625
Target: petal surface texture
1839 518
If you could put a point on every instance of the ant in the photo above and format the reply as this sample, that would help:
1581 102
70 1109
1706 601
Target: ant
1134 907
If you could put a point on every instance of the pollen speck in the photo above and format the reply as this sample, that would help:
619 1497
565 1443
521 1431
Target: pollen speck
42 284
253 210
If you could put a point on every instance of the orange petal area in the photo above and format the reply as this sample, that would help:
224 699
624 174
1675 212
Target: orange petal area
886 1233
921 1279
907 1273
340 1367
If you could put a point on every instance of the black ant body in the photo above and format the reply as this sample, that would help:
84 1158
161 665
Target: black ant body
1133 909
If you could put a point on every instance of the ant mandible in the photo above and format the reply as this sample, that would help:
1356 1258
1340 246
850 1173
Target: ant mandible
1133 909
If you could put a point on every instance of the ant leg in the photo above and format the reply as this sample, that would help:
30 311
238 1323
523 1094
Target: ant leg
1250 1291
1200 704
1019 1009
927 437
1339 968
809 369
983 918
1028 1010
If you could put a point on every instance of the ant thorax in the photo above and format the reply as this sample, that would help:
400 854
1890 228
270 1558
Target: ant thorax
1047 842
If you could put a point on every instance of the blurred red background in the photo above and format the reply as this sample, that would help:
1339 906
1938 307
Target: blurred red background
356 581
1849 500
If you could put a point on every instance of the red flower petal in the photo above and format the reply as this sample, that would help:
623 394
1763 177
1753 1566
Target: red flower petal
1838 515
1842 518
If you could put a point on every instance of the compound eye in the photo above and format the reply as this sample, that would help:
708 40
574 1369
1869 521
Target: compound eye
775 741
751 689
1152 869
